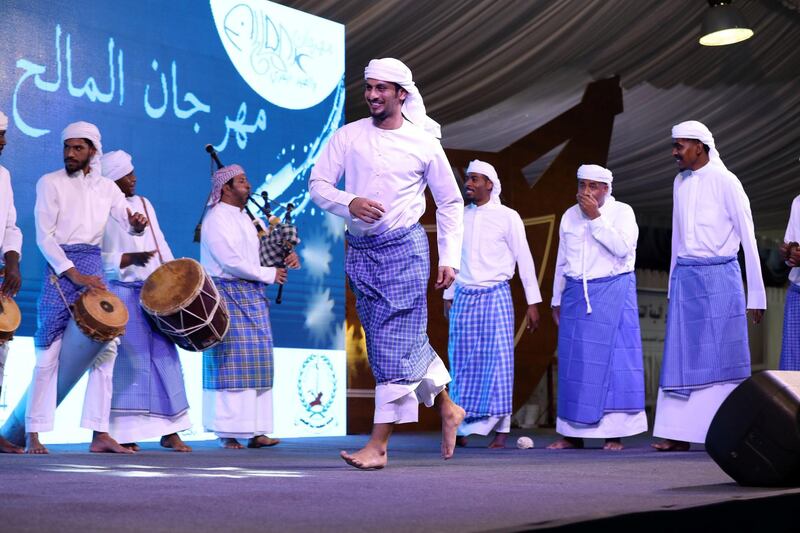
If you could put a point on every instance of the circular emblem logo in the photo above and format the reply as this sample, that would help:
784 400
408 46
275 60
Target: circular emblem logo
316 389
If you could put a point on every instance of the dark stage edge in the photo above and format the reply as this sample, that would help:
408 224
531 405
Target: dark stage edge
302 485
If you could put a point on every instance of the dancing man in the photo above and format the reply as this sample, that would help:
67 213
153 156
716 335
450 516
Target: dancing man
149 397
706 351
387 161
600 366
480 310
73 206
790 251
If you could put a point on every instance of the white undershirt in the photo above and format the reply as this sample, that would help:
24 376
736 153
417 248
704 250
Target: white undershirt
608 244
229 245
793 235
494 244
711 217
392 167
117 241
74 209
10 234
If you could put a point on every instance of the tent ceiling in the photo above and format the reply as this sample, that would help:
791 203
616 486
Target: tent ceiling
491 71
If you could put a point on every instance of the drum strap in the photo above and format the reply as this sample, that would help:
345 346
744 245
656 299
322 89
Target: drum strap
152 230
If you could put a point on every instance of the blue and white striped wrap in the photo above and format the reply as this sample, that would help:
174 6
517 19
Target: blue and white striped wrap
243 360
706 340
52 314
389 275
147 372
790 346
600 367
481 350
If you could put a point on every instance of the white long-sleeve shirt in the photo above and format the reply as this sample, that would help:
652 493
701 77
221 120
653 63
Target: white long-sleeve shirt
711 217
392 167
591 249
10 234
229 245
117 241
495 243
793 235
74 209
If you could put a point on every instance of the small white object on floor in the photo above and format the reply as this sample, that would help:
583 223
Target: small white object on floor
523 443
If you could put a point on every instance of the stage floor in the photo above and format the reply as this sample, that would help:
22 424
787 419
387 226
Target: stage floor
302 485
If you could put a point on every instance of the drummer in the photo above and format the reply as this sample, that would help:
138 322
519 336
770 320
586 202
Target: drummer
149 397
73 206
238 373
11 248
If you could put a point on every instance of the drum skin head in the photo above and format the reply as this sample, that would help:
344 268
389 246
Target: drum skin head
106 308
172 286
10 317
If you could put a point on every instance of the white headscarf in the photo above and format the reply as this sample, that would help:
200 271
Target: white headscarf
692 129
116 164
481 167
85 130
395 71
596 173
3 121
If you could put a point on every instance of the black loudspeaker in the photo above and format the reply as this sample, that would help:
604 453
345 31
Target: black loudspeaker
755 435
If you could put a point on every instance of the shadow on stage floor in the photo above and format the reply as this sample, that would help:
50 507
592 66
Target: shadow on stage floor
302 485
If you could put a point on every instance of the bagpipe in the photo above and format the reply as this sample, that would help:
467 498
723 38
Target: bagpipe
276 241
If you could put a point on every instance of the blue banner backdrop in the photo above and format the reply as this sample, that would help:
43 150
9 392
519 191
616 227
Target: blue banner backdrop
261 82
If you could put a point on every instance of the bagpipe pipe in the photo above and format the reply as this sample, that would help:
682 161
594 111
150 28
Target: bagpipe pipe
276 241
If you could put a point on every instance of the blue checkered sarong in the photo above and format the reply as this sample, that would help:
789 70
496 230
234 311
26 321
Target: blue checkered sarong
147 372
600 367
481 350
52 314
790 346
706 339
243 360
389 275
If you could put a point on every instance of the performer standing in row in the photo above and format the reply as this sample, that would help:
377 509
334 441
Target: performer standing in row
387 161
149 394
600 365
480 309
10 250
238 372
790 251
706 351
72 209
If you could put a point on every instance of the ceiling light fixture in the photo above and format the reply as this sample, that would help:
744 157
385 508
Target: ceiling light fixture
722 25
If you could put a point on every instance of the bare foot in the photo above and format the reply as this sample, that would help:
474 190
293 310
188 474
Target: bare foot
174 441
669 445
613 445
499 440
32 444
231 444
367 458
452 416
567 443
9 447
461 441
131 446
102 442
262 441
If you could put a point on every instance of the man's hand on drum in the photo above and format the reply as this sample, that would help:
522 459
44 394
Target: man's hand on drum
137 221
82 280
280 275
366 210
12 280
292 261
136 258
